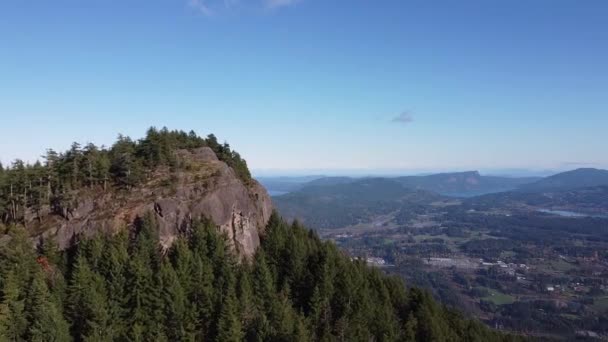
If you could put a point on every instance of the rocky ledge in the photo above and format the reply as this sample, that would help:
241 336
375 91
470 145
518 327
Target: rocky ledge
202 186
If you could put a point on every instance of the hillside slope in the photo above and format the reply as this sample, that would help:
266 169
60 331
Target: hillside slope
297 288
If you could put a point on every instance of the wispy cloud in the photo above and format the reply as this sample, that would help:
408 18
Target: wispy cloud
201 6
213 7
280 3
404 118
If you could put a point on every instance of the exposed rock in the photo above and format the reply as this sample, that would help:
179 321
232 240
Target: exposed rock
203 187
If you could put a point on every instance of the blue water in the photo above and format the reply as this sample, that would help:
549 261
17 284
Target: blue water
566 213
277 193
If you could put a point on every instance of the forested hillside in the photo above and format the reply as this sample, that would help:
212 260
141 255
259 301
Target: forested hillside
297 288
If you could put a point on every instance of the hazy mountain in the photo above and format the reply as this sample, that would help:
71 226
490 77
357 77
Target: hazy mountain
458 184
348 202
579 178
281 185
332 202
463 184
327 181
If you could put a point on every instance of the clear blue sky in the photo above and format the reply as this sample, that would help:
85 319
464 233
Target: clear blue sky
315 84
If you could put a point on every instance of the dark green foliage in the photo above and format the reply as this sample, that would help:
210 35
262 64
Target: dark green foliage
296 288
26 190
13 321
45 320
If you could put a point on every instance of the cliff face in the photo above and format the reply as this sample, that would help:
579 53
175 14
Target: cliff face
203 186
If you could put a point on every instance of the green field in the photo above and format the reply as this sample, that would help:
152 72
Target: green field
601 304
561 265
498 298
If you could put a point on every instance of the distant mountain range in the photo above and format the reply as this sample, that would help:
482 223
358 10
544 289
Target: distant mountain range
579 178
464 184
341 201
581 190
456 184
281 185
334 202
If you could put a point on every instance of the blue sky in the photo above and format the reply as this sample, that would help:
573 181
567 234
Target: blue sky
401 86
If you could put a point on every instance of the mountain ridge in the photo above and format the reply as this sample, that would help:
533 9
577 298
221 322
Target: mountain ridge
175 176
578 178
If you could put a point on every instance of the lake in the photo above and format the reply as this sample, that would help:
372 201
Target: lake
566 213
277 193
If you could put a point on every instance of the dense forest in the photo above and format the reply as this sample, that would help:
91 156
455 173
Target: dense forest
26 190
296 288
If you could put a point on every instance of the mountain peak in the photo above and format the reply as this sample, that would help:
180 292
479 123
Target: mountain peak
176 177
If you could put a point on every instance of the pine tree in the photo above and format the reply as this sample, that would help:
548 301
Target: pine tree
229 325
411 325
201 296
178 326
87 304
143 299
125 167
45 321
245 295
51 177
144 283
181 259
47 248
113 268
13 322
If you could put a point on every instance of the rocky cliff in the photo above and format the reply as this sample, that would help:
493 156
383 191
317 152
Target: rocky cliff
202 186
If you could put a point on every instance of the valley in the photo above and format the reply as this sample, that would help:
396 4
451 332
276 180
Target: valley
532 263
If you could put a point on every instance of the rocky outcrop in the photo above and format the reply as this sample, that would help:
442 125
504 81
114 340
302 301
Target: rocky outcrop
203 187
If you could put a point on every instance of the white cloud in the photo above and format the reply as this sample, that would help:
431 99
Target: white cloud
201 6
213 7
279 3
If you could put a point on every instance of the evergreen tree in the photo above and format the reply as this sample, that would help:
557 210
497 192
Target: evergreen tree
245 295
125 167
178 324
87 304
201 296
13 321
229 326
47 248
44 318
113 268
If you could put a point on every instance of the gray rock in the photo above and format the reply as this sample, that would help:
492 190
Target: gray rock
207 188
